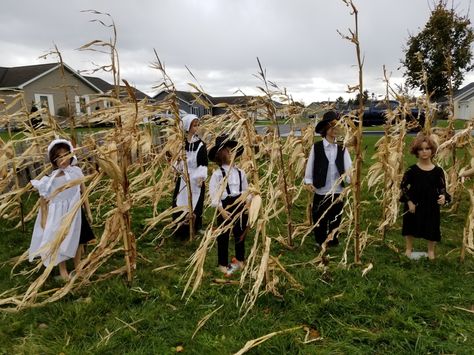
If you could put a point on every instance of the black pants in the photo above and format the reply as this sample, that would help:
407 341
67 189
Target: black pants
238 231
332 218
183 230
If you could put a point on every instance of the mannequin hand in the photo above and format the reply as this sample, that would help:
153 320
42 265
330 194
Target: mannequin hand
225 214
441 200
411 207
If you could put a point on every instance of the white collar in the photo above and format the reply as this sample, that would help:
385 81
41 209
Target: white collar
194 138
326 143
229 167
67 171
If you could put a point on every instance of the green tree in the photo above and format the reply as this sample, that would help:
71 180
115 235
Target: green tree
340 102
442 49
365 97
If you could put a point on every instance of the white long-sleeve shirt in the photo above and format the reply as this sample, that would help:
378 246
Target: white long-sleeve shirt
233 181
330 149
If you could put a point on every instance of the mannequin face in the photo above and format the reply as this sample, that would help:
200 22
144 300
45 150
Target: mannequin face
193 127
424 152
332 132
63 159
224 155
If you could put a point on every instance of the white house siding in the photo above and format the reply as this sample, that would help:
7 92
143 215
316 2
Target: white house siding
464 108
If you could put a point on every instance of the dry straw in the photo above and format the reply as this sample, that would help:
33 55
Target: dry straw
133 165
255 342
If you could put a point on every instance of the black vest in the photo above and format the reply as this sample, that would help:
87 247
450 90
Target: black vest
321 163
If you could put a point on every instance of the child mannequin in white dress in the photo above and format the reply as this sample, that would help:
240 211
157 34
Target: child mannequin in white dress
57 231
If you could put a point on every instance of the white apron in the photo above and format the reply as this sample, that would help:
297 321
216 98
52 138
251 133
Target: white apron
196 173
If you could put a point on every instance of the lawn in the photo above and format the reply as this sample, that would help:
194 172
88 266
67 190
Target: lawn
399 307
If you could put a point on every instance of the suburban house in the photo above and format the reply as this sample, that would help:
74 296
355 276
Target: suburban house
195 103
46 86
251 104
240 101
317 109
108 89
203 104
464 102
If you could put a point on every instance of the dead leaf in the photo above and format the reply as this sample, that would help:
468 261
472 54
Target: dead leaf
179 349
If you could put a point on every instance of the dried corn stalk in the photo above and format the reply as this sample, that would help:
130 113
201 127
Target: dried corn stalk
385 175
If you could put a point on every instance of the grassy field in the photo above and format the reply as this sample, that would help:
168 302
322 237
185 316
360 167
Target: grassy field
5 136
399 307
458 124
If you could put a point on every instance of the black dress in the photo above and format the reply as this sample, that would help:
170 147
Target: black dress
86 231
423 188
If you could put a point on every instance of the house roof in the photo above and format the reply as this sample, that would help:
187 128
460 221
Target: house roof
100 83
189 97
106 87
186 96
140 95
239 100
468 97
469 88
19 77
232 100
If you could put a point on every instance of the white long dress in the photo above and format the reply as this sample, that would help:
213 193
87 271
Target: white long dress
60 208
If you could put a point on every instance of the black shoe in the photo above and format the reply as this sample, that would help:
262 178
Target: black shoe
333 243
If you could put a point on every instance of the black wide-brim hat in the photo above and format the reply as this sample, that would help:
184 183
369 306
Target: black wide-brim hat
328 117
223 141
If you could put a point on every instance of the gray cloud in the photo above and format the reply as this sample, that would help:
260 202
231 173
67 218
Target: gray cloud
219 40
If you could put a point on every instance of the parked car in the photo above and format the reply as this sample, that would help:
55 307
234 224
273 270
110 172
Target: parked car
375 114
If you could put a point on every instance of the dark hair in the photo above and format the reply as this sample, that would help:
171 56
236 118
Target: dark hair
419 140
219 158
54 153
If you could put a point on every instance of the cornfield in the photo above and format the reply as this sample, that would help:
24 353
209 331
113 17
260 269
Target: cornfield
127 168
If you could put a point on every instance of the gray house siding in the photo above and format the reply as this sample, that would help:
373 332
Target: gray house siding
185 105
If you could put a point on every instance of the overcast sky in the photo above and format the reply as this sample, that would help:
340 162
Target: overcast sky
219 40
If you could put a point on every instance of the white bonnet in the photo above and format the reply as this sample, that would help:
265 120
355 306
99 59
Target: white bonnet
65 141
187 120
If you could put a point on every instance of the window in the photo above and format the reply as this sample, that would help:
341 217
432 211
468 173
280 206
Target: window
45 100
195 111
82 106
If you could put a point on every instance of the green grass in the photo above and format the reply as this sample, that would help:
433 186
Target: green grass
5 136
458 124
399 307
